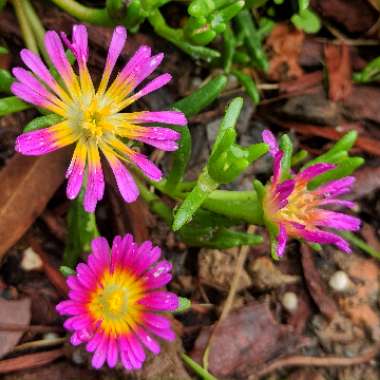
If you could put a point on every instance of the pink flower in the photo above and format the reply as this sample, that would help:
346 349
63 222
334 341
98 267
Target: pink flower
93 119
299 212
115 302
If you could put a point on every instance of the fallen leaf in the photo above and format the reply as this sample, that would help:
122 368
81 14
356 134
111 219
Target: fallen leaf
302 83
266 275
339 71
249 336
285 44
56 371
27 184
367 181
14 312
166 366
356 16
30 361
317 289
216 268
367 144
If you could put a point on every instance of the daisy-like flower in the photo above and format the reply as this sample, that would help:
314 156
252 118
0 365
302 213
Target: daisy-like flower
92 118
115 302
298 212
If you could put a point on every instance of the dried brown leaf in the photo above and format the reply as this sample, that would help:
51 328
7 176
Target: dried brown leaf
318 292
15 312
339 71
27 184
285 44
248 337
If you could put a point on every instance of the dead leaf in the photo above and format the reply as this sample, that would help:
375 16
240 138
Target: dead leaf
266 275
302 83
367 144
57 371
285 44
27 184
216 268
318 292
249 336
339 71
15 312
166 366
30 361
357 16
367 181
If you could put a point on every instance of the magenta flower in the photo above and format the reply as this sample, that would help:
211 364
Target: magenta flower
93 118
114 303
297 212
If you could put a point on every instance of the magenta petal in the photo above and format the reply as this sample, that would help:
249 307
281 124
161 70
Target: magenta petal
283 190
160 301
166 117
125 182
167 146
282 239
140 56
313 171
167 334
36 143
338 202
152 86
100 354
112 353
148 341
35 64
337 220
269 139
324 237
337 187
116 46
147 167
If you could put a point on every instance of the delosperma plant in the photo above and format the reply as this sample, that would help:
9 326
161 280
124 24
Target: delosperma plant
117 296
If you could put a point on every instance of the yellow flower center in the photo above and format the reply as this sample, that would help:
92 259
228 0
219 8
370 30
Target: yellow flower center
115 302
300 209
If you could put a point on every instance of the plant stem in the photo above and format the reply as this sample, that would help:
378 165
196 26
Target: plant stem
83 13
37 27
155 203
26 31
360 244
205 375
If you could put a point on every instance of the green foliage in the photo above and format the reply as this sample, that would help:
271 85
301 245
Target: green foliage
370 73
82 230
12 104
42 122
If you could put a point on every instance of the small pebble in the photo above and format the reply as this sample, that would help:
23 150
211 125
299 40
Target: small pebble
78 357
339 281
30 260
290 301
50 336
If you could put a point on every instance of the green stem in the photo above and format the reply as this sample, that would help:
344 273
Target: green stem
26 31
83 13
155 203
176 37
360 244
36 25
199 370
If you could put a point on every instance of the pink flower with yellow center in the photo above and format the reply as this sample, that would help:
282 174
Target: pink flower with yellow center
92 118
298 212
115 301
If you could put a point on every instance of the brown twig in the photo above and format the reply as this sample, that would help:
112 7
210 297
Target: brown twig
310 361
30 361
